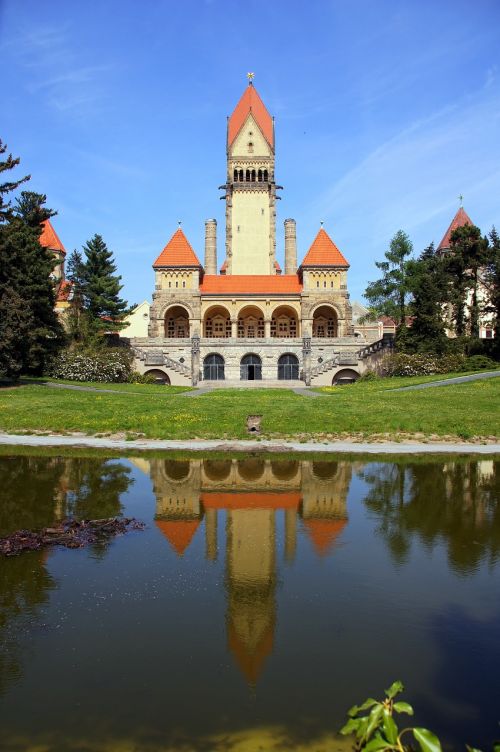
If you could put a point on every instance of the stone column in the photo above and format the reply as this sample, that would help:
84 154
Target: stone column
211 534
306 359
290 247
211 246
290 534
267 328
234 328
195 359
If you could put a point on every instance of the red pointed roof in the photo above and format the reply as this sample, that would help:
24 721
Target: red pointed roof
251 661
49 239
324 252
323 533
177 252
255 284
179 533
64 291
250 102
460 219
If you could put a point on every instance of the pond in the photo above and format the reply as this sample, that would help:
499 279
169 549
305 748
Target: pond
263 599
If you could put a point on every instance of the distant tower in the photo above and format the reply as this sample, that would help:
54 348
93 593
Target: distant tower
250 188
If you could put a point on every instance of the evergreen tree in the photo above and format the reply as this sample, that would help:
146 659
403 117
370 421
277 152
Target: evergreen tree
468 254
101 288
492 280
8 164
389 295
29 329
428 284
77 322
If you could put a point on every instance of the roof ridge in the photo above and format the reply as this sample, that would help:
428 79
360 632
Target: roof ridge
177 252
49 237
250 102
460 219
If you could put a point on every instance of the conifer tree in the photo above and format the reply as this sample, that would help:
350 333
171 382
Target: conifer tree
8 164
101 287
77 323
492 280
389 295
428 284
468 254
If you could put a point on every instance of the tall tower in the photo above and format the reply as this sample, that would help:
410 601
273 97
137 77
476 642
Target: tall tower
250 188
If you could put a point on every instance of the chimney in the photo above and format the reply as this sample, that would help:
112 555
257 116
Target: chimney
211 246
290 247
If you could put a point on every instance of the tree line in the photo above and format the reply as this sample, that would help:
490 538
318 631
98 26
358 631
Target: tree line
31 333
440 292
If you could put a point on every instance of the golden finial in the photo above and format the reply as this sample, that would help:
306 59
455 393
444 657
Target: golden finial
250 77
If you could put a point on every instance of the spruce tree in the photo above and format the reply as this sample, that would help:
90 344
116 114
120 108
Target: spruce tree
101 288
8 164
428 284
492 281
468 254
389 295
77 317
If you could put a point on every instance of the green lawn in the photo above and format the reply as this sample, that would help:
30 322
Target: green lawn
364 409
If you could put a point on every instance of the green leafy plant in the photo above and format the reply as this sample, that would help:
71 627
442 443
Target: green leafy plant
377 730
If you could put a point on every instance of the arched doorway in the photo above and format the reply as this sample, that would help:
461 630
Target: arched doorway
213 368
176 322
251 368
325 322
288 367
159 376
345 376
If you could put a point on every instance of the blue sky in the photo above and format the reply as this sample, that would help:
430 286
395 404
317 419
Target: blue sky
385 112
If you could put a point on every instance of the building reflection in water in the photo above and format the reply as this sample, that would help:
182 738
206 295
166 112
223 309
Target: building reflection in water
246 496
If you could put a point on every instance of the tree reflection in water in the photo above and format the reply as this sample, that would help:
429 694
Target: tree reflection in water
456 503
36 492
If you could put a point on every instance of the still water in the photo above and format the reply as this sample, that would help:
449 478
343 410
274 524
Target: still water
263 599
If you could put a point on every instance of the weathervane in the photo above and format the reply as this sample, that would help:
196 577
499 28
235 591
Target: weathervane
321 223
179 222
250 77
461 198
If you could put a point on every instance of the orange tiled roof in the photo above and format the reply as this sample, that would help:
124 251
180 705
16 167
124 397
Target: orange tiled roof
255 284
250 500
177 252
323 533
64 291
323 252
49 238
250 102
460 219
179 533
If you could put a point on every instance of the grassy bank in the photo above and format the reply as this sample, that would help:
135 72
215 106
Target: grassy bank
361 410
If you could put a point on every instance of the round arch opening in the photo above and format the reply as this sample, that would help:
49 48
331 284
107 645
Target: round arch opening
214 368
325 470
159 376
325 322
176 322
284 322
251 469
285 470
345 376
288 367
217 323
251 368
250 323
176 469
217 470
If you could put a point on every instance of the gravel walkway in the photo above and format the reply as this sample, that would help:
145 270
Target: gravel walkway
389 447
455 380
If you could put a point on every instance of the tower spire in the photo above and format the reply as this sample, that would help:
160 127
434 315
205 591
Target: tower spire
250 77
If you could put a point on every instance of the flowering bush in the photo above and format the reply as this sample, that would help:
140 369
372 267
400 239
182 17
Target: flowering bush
420 364
109 365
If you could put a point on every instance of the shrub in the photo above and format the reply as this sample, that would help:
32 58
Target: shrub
369 376
106 365
420 364
478 362
142 378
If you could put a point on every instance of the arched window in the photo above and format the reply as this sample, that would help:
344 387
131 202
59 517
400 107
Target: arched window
253 176
251 368
250 147
259 176
265 176
235 176
241 176
213 368
159 376
325 322
247 176
288 367
176 322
